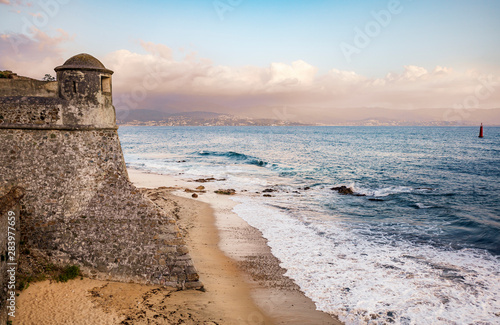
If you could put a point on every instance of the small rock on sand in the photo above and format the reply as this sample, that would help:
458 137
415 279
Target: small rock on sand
226 191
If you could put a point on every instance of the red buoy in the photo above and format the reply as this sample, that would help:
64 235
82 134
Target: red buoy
481 131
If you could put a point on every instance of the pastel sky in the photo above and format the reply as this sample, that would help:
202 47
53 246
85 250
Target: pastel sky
249 56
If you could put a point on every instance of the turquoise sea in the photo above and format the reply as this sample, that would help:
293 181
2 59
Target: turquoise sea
418 243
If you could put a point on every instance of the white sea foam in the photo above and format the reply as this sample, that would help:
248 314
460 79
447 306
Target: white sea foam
364 281
423 206
385 191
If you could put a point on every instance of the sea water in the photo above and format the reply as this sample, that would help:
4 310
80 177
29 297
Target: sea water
419 243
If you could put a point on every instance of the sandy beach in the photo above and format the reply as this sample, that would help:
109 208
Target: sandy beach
243 282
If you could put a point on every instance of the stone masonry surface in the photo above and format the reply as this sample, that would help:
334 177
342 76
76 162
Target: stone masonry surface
62 147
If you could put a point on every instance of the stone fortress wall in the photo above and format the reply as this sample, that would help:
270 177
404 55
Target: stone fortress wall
59 142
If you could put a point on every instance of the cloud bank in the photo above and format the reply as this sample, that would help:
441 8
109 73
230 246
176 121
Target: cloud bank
156 79
34 55
147 79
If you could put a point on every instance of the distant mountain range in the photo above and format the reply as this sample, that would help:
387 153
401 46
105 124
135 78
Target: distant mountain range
157 118
354 116
434 116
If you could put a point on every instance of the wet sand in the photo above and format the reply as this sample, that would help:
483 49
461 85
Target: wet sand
275 294
243 281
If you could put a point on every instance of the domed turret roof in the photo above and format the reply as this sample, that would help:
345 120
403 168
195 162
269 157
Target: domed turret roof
83 61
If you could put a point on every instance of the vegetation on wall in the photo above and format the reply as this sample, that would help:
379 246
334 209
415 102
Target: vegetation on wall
48 77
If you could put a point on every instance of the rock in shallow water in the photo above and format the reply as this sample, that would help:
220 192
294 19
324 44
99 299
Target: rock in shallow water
344 190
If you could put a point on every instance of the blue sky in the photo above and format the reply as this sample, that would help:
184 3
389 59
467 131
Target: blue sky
459 35
463 33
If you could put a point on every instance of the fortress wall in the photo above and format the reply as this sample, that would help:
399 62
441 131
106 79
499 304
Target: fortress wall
45 111
58 141
101 117
28 87
80 208
30 110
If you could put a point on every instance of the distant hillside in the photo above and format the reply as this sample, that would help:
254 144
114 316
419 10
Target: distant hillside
352 116
383 116
198 115
141 115
437 117
157 118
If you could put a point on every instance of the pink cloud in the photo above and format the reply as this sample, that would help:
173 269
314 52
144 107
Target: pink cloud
160 50
157 80
32 57
150 80
17 3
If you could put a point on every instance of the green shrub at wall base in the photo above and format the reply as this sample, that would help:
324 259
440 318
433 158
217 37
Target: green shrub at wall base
69 273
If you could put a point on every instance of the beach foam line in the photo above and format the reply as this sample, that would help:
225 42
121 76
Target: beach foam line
365 281
287 306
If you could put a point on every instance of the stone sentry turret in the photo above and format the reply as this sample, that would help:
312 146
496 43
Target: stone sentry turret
59 142
85 84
